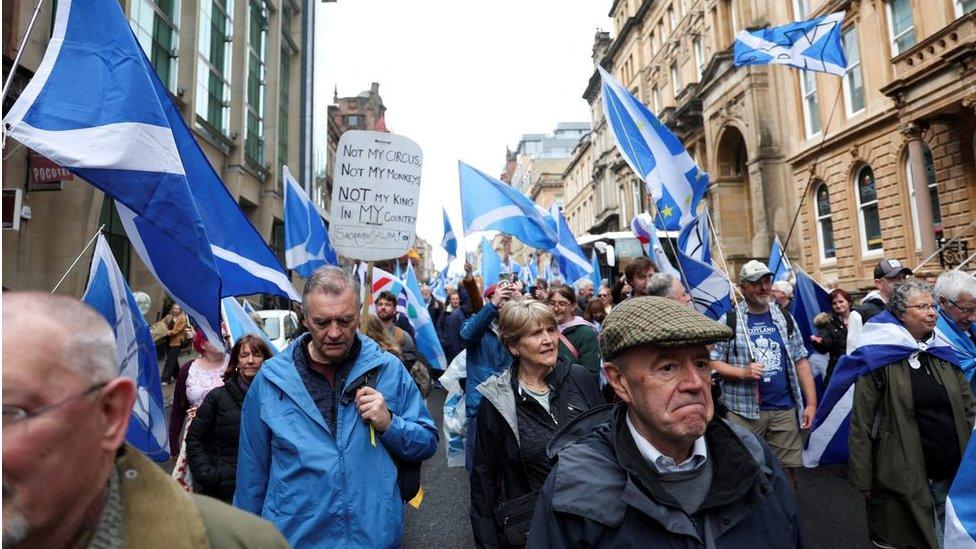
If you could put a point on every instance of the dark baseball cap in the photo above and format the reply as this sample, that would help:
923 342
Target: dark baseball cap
890 268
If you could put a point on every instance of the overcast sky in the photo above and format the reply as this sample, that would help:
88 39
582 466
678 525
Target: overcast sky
464 79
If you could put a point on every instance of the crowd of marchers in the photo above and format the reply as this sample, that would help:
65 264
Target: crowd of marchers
610 417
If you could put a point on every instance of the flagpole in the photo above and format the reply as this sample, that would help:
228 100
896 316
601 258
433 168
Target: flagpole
943 247
20 51
813 173
77 259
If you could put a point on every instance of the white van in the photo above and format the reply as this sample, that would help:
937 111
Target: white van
280 326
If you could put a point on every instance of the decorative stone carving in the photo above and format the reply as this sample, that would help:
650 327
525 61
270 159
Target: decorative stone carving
913 130
970 101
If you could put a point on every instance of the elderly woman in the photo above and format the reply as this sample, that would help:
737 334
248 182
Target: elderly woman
910 422
831 337
522 409
211 442
577 338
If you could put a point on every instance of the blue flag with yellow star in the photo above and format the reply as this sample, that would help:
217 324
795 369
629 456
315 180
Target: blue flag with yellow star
655 154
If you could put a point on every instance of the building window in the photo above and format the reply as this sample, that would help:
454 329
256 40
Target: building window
901 25
278 239
675 79
867 211
801 8
656 100
853 78
699 57
733 19
257 40
964 6
355 120
284 77
114 233
672 22
825 224
933 186
811 105
156 26
214 66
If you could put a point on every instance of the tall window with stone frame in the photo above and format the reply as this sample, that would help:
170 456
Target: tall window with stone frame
801 8
156 24
933 188
825 223
699 56
284 77
214 65
656 100
675 79
901 25
866 195
854 77
811 103
257 46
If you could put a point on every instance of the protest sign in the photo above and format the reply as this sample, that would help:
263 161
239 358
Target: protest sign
376 188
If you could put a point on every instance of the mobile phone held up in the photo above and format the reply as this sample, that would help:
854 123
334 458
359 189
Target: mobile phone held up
505 280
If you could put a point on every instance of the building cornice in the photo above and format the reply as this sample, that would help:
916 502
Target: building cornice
842 139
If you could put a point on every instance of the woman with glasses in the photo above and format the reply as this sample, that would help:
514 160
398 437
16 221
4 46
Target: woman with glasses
211 442
522 409
197 378
577 338
911 421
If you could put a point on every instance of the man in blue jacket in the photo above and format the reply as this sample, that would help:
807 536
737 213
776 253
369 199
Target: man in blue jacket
321 425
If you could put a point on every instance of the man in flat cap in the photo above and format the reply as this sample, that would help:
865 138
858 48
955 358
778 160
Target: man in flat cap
663 470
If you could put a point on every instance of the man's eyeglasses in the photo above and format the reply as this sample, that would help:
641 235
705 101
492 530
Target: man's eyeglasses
963 310
922 307
16 414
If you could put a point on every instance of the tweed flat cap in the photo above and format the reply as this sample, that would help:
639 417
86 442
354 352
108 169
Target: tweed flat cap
657 321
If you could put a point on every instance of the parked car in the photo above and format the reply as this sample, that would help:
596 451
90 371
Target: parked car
280 325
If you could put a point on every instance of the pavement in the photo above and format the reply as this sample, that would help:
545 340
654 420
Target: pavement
831 510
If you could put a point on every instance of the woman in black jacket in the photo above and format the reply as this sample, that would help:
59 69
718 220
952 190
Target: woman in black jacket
522 409
211 442
831 336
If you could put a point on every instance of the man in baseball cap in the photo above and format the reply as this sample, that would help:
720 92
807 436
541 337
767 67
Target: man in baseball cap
887 274
662 467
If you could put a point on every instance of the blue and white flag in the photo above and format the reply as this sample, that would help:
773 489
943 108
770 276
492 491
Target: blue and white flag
396 269
694 240
779 264
961 341
439 288
547 273
428 343
814 45
248 308
572 262
708 286
809 300
534 270
883 340
960 509
307 245
239 323
643 228
489 204
491 264
595 274
655 154
135 352
97 107
449 242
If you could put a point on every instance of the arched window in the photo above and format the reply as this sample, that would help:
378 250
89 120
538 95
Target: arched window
825 223
933 196
867 211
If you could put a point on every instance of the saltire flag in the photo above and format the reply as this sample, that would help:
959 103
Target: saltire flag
489 204
655 154
428 342
449 242
239 323
809 300
883 340
135 352
416 313
248 308
643 228
570 259
97 107
595 274
694 240
534 269
815 45
708 286
396 269
548 274
438 288
779 263
964 345
307 245
960 508
491 264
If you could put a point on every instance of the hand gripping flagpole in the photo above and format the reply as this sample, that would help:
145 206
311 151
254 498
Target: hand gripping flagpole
813 174
20 51
77 259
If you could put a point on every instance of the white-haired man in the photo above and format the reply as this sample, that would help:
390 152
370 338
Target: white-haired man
69 480
956 291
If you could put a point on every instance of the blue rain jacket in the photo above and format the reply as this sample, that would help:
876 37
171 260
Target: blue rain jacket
486 355
324 489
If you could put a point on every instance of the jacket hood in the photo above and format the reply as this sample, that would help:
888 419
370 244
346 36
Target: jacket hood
500 389
874 295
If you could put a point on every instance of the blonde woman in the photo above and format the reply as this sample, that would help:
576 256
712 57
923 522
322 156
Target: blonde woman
522 409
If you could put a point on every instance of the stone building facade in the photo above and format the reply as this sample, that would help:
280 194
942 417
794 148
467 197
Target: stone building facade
234 71
903 113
